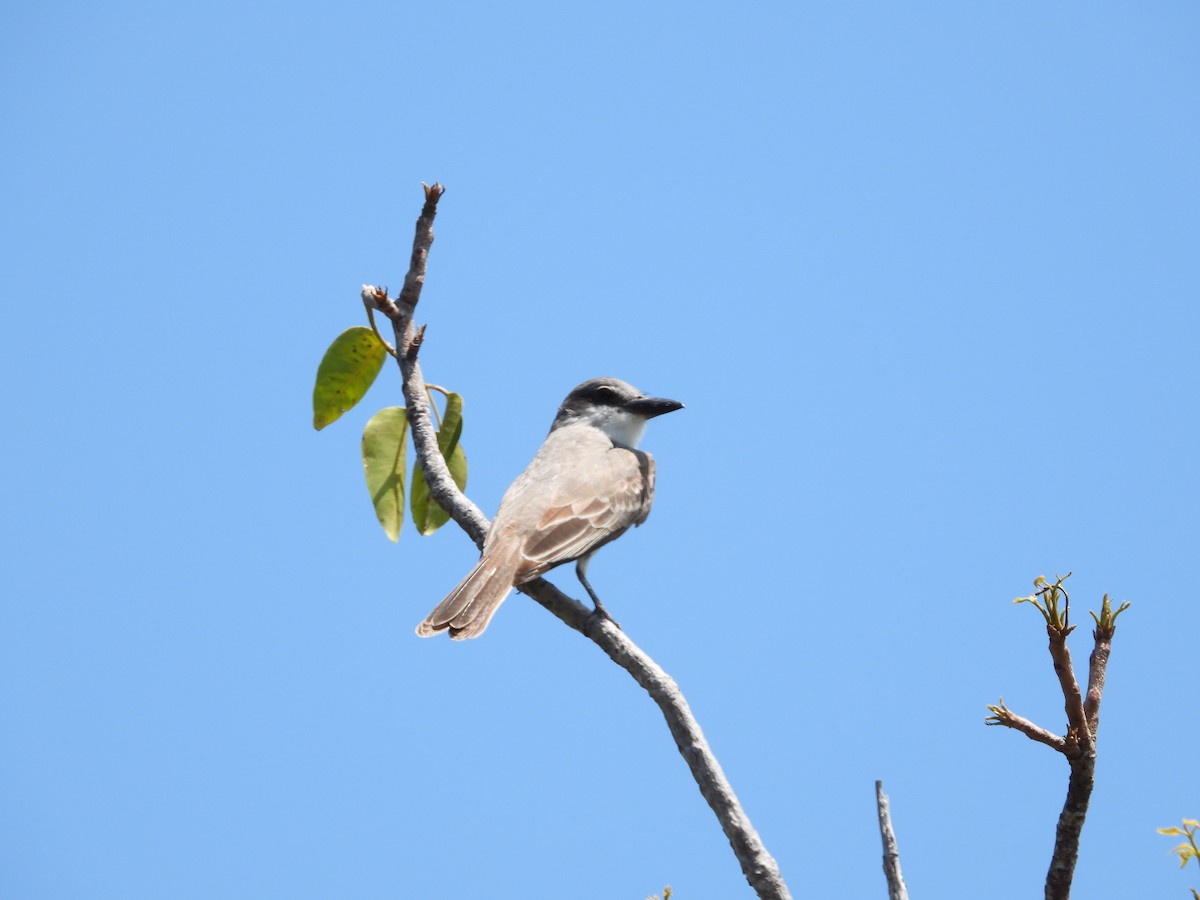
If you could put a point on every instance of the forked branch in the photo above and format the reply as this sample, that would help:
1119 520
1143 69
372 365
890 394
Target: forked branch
1083 719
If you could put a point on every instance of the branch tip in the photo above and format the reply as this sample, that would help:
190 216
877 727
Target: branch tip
374 297
1057 611
897 890
433 193
1106 622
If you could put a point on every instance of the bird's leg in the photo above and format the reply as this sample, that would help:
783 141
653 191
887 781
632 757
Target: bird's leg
581 573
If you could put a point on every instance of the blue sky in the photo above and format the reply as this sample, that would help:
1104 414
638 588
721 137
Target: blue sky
925 276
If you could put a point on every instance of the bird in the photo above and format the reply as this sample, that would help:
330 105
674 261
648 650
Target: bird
585 487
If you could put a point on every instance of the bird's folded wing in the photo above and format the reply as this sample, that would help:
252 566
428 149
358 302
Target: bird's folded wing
599 507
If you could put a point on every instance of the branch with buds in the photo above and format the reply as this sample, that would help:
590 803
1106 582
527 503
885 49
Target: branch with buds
1078 744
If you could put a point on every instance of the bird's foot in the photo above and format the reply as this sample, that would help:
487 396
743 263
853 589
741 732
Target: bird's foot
601 612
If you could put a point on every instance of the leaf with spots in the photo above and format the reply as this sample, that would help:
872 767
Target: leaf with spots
346 372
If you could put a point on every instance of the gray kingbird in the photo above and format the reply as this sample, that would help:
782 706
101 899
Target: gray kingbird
586 486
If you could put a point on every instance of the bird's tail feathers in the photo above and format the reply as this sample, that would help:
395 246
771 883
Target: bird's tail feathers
469 608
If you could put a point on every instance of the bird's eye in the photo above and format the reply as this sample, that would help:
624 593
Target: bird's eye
606 394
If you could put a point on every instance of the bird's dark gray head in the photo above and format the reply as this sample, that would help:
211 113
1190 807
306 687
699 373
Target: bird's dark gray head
615 406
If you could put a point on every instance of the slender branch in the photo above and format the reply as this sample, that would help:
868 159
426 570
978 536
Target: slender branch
891 853
422 241
1106 628
759 867
1077 730
1097 670
1002 715
437 475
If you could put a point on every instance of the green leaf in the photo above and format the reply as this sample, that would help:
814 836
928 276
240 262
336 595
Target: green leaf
427 515
346 372
383 448
452 424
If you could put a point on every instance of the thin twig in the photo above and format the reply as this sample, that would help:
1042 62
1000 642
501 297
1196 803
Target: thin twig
414 280
375 328
1002 715
891 853
759 867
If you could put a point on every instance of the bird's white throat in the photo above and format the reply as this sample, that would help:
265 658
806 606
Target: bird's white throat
623 427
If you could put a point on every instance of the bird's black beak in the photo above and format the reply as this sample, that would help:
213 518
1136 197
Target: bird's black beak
649 407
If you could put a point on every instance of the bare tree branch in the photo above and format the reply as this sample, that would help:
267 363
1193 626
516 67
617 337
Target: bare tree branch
1083 717
759 867
1077 726
891 853
1106 627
